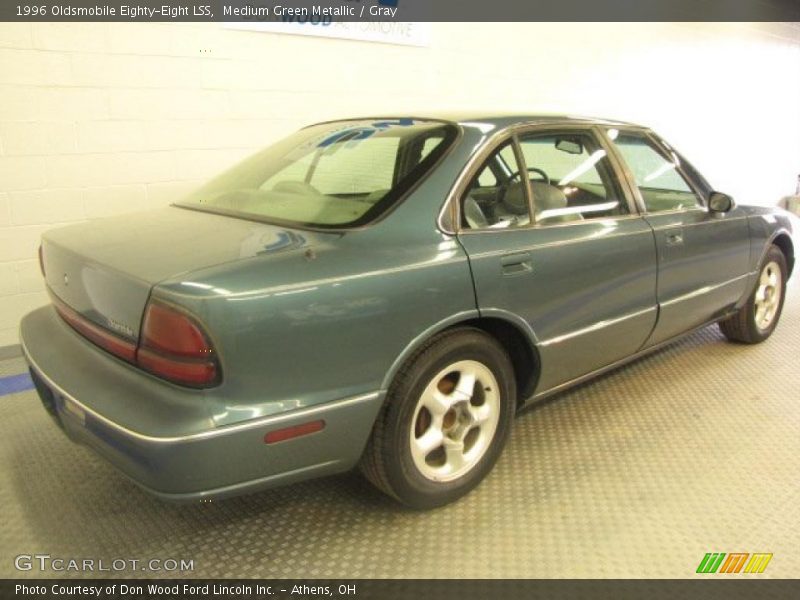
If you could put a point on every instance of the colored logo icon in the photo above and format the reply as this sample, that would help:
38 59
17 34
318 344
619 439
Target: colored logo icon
736 562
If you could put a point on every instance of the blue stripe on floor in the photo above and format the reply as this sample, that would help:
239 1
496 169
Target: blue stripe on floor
15 383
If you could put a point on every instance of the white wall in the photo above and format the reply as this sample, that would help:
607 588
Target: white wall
98 119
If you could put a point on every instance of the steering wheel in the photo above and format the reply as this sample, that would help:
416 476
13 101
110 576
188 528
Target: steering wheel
545 176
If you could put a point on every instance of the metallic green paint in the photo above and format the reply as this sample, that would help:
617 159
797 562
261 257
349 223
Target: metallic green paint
162 436
590 294
706 274
307 320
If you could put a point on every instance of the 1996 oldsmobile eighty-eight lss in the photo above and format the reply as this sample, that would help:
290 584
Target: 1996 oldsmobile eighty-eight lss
386 293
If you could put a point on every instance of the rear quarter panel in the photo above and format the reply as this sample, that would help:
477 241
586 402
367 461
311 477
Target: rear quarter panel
304 327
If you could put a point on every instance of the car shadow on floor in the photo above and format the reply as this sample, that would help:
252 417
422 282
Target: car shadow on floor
75 504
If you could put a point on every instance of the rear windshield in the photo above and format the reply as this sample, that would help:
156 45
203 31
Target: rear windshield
332 175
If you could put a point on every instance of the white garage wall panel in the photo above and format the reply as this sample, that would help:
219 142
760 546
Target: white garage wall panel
101 119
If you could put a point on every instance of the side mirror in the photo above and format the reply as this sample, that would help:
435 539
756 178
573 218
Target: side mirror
720 203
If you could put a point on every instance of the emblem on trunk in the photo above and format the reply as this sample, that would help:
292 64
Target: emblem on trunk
66 279
119 327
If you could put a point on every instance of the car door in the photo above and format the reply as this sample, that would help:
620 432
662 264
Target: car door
562 251
703 257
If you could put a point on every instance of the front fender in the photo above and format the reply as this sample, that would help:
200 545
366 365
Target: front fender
766 227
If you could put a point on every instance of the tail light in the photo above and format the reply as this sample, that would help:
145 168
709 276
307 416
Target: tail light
124 349
172 345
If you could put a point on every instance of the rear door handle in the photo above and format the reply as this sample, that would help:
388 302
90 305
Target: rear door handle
516 263
675 237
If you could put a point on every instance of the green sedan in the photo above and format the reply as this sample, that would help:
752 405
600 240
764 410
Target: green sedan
386 294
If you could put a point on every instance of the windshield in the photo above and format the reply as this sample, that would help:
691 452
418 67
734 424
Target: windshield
332 175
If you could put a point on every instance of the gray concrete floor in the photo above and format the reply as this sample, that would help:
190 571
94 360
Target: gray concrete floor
691 450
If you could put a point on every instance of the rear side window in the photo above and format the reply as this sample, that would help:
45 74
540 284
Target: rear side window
496 197
331 175
660 183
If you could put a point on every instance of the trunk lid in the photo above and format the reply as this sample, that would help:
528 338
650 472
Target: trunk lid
105 269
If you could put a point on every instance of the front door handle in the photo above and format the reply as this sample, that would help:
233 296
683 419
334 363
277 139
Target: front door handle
516 263
675 237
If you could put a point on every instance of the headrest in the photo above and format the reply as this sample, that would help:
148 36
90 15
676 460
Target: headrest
474 215
547 197
515 200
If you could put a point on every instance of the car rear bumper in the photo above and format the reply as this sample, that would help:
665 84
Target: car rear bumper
193 460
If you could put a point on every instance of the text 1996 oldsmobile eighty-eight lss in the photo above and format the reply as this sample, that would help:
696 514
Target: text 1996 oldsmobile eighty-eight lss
387 293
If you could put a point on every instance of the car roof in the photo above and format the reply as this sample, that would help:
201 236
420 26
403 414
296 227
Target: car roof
502 120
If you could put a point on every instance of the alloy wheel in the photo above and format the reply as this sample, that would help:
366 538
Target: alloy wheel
455 420
768 295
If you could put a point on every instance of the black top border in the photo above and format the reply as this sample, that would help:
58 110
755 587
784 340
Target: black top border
322 11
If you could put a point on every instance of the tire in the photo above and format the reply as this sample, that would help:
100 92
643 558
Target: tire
757 319
438 435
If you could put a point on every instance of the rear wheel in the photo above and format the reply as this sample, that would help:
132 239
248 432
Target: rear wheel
445 420
757 319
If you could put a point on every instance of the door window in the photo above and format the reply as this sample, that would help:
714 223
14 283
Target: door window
571 178
496 197
660 182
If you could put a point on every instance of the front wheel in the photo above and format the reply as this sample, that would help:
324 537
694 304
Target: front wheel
445 420
757 319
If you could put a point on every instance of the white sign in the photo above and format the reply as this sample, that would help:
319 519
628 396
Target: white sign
386 32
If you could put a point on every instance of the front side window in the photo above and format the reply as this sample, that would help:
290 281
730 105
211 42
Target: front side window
571 178
660 182
331 175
